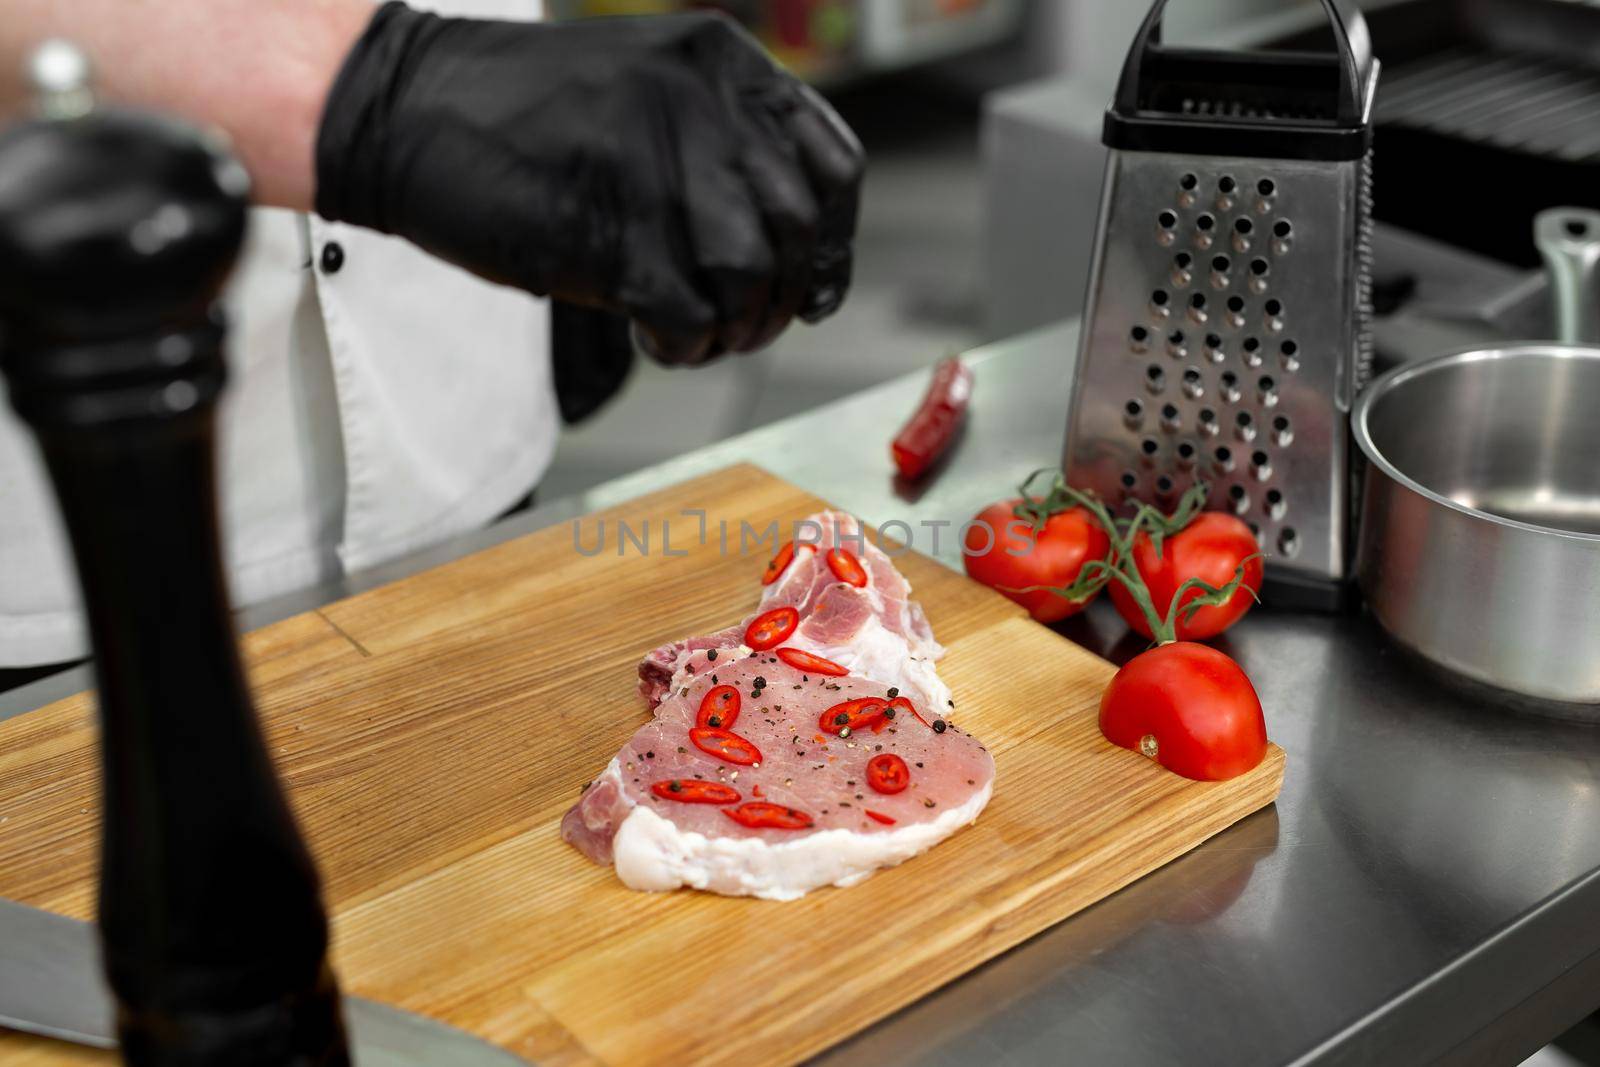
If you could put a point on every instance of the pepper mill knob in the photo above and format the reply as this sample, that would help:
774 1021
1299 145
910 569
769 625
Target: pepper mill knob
113 224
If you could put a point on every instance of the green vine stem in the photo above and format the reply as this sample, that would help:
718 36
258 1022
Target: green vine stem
1119 563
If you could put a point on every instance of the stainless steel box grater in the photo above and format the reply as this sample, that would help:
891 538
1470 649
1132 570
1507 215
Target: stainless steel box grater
1226 324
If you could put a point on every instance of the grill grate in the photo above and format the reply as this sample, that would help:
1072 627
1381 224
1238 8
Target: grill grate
1524 103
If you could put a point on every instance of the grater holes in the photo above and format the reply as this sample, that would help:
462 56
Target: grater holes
1149 447
1214 350
1222 457
1289 356
1282 431
1169 418
1288 541
1244 427
1267 391
1166 227
1282 236
1167 220
1252 351
1226 184
1155 379
1182 260
1239 498
1260 465
1208 422
1275 503
1205 222
1133 414
1266 187
1188 183
1220 265
1139 339
1192 385
1197 307
1176 348
1129 480
1260 267
1164 486
1186 454
1159 303
1236 311
1274 314
1229 386
1243 226
1255 531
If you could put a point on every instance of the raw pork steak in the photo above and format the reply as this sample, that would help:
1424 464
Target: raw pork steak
760 775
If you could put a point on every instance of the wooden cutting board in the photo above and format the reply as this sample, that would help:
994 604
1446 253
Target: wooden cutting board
433 731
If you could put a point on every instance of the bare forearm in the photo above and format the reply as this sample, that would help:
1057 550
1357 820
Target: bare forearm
259 69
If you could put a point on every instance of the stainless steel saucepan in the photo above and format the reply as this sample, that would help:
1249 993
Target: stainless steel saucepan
1479 539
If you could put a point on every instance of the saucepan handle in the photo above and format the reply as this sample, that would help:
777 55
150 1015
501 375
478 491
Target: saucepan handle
1569 240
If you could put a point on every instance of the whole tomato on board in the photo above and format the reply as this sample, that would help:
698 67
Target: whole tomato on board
1211 547
1188 707
1021 556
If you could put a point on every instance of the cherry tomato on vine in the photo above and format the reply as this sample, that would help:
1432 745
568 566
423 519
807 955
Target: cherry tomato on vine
1210 548
1015 558
1188 707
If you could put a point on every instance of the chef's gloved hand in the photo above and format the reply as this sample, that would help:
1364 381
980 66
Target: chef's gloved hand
662 167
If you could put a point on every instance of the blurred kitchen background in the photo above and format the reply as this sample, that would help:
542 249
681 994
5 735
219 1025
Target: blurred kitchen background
912 78
981 120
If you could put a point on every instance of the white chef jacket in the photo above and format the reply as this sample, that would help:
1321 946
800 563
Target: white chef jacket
372 410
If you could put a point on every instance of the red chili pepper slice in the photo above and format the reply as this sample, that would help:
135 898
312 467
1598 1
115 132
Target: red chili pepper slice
856 714
801 660
771 628
694 791
878 816
904 704
719 707
931 428
779 563
725 745
761 815
888 773
845 567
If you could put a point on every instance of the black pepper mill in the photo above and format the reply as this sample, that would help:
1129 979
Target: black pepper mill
117 230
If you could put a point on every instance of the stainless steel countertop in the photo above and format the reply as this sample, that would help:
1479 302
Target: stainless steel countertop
1427 886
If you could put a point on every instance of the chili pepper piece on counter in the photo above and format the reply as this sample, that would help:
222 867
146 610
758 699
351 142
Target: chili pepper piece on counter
933 426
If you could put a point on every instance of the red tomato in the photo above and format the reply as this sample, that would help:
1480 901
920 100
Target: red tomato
1209 548
888 773
1015 559
719 707
771 628
779 563
694 791
725 745
845 567
760 815
878 816
855 714
801 660
1188 707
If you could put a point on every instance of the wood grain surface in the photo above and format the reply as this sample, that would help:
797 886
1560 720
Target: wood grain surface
433 731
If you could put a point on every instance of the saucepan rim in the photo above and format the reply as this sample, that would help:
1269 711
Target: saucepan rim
1399 376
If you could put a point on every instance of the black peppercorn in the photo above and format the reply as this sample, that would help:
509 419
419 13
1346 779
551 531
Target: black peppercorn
938 726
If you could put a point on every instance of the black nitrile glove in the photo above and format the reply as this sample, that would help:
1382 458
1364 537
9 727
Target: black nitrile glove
660 167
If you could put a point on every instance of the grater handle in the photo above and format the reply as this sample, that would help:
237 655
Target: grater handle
1351 40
